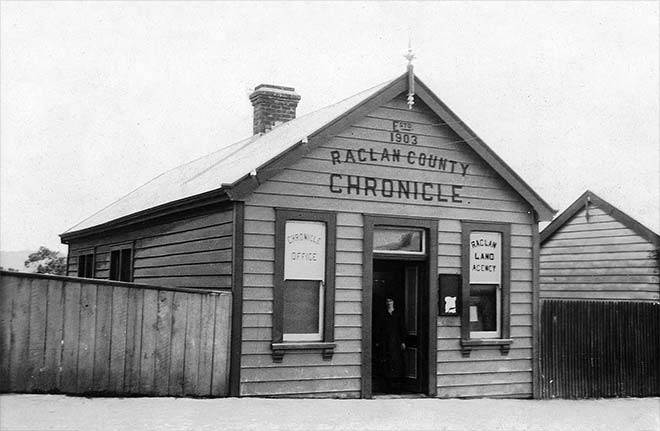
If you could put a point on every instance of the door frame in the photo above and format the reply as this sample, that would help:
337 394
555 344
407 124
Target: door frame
431 227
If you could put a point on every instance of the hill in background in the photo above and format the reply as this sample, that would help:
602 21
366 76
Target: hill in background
14 259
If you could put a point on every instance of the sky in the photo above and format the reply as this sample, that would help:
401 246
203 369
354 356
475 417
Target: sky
98 98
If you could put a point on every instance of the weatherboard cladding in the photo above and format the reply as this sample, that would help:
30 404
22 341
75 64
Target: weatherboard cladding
598 257
306 183
195 251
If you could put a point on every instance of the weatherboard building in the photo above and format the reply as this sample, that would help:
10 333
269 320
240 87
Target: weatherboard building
600 304
313 221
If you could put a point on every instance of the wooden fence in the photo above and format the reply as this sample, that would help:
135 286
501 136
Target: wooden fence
592 349
87 336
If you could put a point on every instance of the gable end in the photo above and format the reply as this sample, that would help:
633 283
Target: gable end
589 196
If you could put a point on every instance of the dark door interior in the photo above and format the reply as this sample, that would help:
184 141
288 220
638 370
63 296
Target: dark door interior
401 280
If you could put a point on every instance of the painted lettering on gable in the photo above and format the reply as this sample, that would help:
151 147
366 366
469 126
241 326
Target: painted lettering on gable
402 133
391 188
413 158
402 126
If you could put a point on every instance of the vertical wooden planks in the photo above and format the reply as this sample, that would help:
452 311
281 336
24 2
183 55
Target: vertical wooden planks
133 341
71 337
8 287
37 335
87 338
163 335
19 351
118 339
102 339
192 345
71 334
149 323
219 385
54 336
207 321
177 343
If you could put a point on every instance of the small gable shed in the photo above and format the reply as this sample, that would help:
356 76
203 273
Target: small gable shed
593 250
313 222
599 304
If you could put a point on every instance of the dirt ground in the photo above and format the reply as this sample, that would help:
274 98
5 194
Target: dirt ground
58 412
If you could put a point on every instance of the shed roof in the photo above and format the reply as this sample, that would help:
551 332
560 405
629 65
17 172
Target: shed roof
590 197
227 168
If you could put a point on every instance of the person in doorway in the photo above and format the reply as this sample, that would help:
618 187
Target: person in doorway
392 338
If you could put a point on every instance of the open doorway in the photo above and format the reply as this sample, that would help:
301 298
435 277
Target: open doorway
399 334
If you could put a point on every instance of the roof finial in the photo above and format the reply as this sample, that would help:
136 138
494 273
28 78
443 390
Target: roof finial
410 56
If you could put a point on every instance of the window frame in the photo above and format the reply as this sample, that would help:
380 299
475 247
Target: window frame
121 248
84 254
470 339
327 345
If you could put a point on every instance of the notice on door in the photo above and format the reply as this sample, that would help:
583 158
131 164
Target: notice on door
485 257
304 250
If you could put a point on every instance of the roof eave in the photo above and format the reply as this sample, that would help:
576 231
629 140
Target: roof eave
248 183
217 196
544 211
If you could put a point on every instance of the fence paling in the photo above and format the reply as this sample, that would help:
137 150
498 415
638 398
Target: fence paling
68 335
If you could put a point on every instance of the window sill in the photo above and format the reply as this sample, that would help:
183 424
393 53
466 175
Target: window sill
468 345
280 348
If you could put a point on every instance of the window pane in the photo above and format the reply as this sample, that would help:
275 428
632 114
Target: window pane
483 308
411 298
393 239
301 307
81 266
114 265
126 265
89 266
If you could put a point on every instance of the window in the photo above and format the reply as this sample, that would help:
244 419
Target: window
485 287
303 310
399 240
86 265
121 264
485 311
304 276
303 303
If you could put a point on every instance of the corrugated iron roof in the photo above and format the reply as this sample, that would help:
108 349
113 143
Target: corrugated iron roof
225 166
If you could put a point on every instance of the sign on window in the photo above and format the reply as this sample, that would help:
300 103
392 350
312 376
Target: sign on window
304 250
485 258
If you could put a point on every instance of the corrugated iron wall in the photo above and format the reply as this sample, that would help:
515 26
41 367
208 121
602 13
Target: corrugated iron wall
592 349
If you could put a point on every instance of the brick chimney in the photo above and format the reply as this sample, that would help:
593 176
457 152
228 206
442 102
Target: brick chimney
273 105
